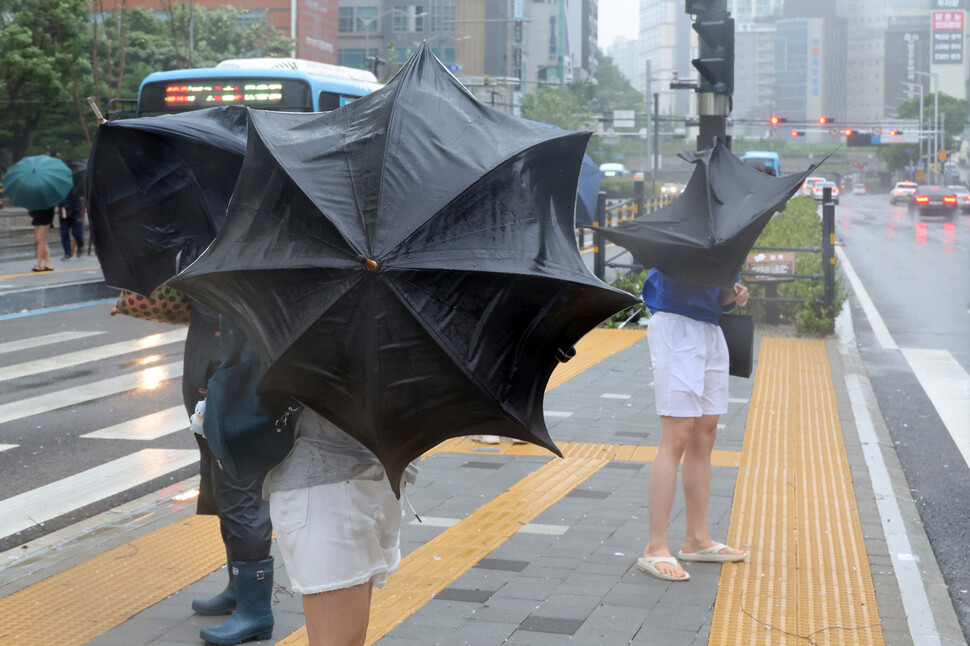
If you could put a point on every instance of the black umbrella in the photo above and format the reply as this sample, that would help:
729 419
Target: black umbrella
406 265
704 236
157 189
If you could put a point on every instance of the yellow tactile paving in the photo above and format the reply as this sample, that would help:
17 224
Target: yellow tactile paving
440 561
107 590
597 345
807 580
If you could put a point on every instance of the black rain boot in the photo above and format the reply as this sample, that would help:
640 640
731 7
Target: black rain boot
221 604
253 616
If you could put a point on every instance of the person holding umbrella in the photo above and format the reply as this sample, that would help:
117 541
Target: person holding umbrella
41 219
690 367
38 184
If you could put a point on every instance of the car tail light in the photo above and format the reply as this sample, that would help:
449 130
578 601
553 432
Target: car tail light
835 191
966 198
922 199
950 199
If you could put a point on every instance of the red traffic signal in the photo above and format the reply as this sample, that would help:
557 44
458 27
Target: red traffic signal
797 133
848 132
823 120
895 132
776 120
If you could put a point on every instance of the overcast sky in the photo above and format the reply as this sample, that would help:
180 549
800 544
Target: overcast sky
617 18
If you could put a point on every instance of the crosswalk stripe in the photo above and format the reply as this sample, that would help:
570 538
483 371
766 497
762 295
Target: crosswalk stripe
145 428
71 359
147 379
47 339
50 501
7 447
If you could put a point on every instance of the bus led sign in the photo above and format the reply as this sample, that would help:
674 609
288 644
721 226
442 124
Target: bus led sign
253 92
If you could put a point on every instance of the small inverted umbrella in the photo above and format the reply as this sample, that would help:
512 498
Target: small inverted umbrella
704 236
406 265
38 182
157 190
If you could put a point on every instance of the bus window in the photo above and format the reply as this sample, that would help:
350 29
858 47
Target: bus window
763 161
333 100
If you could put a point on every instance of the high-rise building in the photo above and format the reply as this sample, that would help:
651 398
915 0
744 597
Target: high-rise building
747 11
623 51
754 75
311 23
810 66
668 42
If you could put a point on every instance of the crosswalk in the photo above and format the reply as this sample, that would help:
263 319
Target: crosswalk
136 368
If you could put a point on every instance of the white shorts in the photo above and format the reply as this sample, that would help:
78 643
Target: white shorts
336 536
690 366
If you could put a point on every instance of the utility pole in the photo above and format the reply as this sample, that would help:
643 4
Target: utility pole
715 29
656 139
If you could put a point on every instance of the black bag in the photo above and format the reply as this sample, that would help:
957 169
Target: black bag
739 333
247 433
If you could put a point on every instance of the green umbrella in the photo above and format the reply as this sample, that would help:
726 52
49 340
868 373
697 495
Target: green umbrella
37 182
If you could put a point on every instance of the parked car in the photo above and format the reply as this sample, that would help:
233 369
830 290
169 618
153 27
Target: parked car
614 170
935 200
902 193
963 197
818 191
807 185
858 189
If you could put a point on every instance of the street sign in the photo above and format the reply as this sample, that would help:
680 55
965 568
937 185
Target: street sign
774 267
941 155
624 119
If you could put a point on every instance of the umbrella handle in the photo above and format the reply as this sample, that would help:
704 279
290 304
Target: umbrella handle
97 112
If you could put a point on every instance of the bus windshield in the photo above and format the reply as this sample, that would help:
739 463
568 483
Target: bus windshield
760 160
291 85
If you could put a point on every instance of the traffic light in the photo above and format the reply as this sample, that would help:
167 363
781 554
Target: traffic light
776 120
698 7
895 132
797 133
856 138
716 64
848 132
824 121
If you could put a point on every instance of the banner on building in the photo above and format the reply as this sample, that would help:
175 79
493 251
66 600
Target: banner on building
948 37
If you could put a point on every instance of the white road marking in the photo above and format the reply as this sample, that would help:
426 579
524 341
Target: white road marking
148 379
737 400
145 428
47 339
7 447
614 396
947 385
557 413
916 603
875 320
71 359
528 528
50 501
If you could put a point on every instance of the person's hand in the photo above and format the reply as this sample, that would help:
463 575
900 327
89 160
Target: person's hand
740 294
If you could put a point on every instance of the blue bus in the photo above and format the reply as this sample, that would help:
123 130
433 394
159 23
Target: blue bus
287 84
761 159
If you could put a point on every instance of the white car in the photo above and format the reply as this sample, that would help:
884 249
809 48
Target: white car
858 189
807 185
902 192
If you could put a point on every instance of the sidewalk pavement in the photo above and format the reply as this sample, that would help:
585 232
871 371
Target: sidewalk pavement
565 572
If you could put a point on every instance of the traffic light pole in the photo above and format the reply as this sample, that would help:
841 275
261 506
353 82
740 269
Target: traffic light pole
715 31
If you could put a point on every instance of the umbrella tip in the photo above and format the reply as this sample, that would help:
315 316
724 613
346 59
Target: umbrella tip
370 265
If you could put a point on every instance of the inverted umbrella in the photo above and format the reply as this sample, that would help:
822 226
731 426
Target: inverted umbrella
38 182
406 265
704 236
157 190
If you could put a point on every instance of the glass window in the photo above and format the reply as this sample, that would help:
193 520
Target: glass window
345 21
441 18
365 20
409 18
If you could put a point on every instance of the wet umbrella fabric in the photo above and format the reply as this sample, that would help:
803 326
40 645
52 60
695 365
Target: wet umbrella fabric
157 191
410 277
38 182
704 236
587 193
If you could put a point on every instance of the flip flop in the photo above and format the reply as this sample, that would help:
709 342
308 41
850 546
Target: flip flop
712 555
649 565
37 268
48 269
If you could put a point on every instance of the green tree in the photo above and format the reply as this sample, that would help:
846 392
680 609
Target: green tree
558 106
39 55
613 90
956 111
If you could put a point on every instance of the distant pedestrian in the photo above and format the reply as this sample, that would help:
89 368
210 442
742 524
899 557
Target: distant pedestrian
71 212
42 220
690 370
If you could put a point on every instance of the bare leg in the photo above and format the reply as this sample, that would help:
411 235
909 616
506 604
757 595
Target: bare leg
43 251
338 618
662 485
697 485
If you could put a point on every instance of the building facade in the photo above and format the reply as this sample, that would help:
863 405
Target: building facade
668 42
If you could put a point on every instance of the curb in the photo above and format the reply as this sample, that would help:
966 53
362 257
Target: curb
40 298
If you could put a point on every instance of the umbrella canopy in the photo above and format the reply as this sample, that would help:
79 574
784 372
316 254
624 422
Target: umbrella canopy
38 182
704 236
587 193
410 277
157 190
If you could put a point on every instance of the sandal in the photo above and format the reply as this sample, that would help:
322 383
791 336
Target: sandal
37 268
48 269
